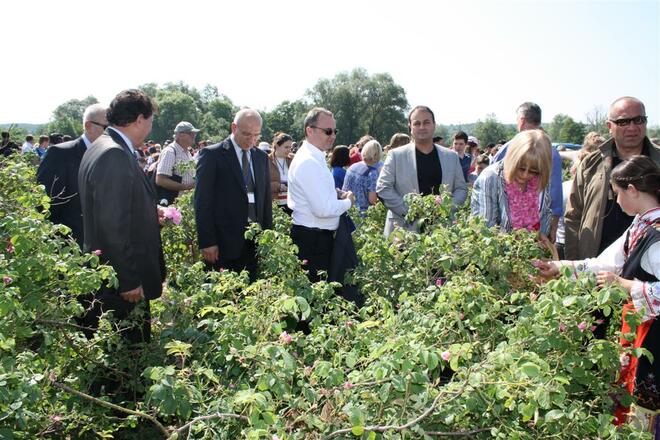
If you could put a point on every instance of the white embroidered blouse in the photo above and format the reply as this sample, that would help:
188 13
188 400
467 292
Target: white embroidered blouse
645 295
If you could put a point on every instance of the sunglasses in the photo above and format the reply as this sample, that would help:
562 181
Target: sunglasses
637 120
327 131
99 124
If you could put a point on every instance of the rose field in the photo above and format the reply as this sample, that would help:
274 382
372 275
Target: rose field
458 337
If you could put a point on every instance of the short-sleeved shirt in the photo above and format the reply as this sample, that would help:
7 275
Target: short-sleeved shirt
361 180
171 159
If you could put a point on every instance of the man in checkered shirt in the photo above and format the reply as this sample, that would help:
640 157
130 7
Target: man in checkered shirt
172 172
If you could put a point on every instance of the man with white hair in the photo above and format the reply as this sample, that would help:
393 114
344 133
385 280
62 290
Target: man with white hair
58 171
232 191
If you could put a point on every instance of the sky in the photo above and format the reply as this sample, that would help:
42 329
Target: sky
465 59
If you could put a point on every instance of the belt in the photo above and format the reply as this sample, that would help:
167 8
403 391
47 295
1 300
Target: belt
306 228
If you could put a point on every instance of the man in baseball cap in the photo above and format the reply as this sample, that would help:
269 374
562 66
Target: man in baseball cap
173 174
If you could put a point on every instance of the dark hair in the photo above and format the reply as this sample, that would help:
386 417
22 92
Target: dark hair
128 105
490 145
313 117
531 112
340 156
29 138
437 139
461 135
640 172
420 107
280 138
483 159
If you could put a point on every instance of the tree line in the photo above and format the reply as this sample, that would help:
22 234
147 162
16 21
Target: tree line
362 103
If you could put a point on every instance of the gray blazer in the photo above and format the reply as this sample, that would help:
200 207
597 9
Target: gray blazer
399 177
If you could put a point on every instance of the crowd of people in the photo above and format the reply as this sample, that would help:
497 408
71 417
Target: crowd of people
109 186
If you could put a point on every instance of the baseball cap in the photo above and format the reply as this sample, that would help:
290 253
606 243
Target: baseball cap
185 127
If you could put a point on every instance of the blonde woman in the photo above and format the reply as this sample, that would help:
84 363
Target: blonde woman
514 193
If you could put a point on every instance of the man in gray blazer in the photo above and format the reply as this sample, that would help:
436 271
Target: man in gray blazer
419 167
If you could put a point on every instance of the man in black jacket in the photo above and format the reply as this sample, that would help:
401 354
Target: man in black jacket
58 172
120 217
233 190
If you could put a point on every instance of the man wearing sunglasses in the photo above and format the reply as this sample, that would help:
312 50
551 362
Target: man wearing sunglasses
58 171
316 204
593 218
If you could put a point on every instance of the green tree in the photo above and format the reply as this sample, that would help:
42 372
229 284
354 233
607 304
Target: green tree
362 104
491 130
286 117
174 106
564 129
67 117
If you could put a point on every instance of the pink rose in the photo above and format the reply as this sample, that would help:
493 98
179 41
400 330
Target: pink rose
232 386
582 326
285 338
533 296
438 200
348 385
56 419
7 280
535 263
439 282
173 214
461 316
304 262
10 247
349 324
562 327
97 252
445 355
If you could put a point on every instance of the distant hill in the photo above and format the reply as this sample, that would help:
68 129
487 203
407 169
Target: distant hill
30 128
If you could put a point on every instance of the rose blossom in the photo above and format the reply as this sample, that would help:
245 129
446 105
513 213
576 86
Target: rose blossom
173 214
285 337
445 355
7 280
348 385
562 327
10 247
582 326
97 252
439 282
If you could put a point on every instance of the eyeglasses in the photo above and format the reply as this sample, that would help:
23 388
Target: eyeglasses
623 122
103 126
327 131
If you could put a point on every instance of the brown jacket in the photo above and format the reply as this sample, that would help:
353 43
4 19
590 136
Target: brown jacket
585 209
275 173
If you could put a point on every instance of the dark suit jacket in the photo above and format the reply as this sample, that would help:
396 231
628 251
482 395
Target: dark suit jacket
120 216
221 202
58 173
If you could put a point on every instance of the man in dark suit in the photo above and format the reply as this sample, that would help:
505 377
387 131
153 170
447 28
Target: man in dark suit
58 172
233 190
120 216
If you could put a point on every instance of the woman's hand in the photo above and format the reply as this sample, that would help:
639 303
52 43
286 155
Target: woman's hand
604 278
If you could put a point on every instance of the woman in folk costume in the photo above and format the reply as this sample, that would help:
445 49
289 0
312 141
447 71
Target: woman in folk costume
633 262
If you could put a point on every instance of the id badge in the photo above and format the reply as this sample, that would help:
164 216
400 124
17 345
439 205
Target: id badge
250 197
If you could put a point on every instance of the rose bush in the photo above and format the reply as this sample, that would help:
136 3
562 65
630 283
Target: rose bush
456 338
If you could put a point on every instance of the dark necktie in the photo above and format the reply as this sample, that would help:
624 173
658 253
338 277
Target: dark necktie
249 185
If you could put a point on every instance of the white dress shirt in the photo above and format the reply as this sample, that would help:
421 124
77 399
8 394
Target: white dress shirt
86 140
127 140
312 194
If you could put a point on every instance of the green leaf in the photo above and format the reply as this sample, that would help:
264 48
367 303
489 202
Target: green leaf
530 369
357 430
553 415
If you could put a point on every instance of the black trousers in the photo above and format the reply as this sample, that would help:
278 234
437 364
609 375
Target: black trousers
247 260
314 246
135 330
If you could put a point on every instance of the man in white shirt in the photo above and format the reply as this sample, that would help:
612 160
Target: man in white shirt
28 145
315 202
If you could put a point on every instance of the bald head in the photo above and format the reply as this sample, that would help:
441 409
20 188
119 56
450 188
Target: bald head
626 103
247 113
246 128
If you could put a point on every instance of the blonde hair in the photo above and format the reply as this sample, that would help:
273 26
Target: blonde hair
590 143
531 148
372 151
